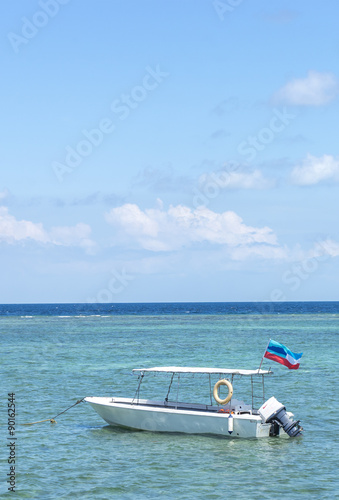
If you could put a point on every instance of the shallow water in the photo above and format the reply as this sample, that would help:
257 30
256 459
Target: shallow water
52 357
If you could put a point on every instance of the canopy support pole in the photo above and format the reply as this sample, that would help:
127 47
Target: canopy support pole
169 388
137 392
178 391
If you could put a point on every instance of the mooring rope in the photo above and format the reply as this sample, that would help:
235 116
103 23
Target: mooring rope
52 420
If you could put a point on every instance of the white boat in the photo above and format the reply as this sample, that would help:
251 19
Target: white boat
223 417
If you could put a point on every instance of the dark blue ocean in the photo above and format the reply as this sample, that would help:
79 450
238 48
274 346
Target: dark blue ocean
170 308
52 355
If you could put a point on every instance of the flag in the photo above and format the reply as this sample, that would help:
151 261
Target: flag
281 354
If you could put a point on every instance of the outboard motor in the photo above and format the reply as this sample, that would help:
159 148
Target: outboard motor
273 411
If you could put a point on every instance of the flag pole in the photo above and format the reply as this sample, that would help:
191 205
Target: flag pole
262 359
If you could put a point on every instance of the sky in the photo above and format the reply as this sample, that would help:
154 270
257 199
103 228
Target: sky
169 151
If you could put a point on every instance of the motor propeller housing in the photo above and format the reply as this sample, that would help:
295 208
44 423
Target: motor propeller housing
273 411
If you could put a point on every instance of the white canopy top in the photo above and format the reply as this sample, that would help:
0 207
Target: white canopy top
182 369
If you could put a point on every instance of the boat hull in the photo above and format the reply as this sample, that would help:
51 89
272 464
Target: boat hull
190 419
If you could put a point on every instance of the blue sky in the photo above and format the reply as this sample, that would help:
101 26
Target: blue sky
169 151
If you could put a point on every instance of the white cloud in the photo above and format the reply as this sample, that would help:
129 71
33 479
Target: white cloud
260 251
237 180
314 170
181 226
325 248
13 231
314 90
3 194
78 235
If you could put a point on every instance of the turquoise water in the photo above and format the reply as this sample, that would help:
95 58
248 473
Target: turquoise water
52 357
